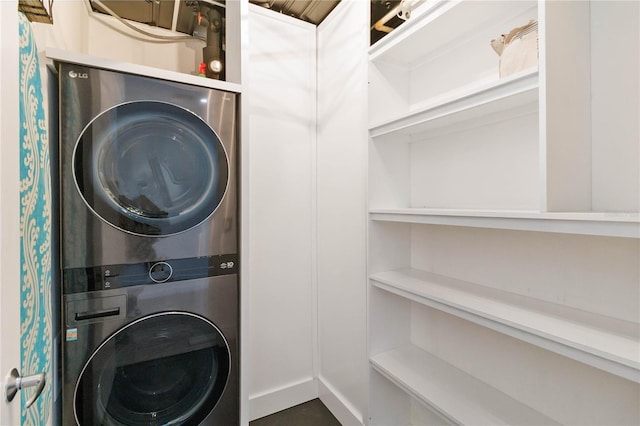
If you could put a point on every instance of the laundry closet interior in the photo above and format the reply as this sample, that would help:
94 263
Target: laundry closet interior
404 228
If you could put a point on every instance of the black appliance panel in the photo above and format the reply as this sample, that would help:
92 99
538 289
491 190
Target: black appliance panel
105 277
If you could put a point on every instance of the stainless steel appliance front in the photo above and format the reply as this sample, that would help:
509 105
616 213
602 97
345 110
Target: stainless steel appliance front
148 169
149 250
152 354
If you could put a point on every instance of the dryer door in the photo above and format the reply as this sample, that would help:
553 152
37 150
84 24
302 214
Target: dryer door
164 369
150 168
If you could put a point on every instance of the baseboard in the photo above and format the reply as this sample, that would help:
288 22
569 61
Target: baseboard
279 399
339 406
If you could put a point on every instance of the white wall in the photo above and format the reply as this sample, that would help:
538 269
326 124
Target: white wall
282 127
307 284
343 40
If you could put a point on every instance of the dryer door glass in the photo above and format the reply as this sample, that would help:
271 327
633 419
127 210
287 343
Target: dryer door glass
150 168
164 369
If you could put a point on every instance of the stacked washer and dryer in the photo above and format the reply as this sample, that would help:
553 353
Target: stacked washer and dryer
149 250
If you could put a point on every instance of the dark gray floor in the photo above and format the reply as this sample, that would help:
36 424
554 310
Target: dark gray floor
312 413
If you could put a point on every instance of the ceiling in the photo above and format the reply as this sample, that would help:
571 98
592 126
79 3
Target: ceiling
36 11
313 11
160 12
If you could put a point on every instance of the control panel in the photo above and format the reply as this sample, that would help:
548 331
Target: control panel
80 280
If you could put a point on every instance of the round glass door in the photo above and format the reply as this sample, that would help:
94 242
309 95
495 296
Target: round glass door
150 168
164 369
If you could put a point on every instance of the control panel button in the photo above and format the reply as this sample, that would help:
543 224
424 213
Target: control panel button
160 272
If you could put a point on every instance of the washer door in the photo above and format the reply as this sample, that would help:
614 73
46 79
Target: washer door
164 369
150 168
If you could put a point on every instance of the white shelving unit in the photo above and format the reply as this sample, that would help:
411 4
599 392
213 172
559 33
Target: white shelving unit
477 101
456 396
602 342
604 224
504 274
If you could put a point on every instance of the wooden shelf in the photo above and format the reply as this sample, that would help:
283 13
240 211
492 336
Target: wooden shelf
603 224
450 392
439 24
606 343
499 98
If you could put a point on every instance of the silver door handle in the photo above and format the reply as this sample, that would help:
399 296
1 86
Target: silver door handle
15 382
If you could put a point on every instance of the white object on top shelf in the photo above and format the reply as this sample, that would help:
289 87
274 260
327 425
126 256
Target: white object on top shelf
439 24
606 343
587 223
108 64
452 393
473 101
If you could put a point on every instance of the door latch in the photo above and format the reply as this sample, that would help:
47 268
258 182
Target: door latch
15 382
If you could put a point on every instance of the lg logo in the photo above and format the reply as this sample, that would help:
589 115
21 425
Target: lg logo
74 74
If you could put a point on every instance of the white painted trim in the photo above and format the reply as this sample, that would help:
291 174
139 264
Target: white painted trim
294 394
242 11
315 309
9 205
279 399
108 64
339 406
542 108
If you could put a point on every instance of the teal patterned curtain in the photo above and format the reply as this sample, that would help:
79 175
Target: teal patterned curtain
35 230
